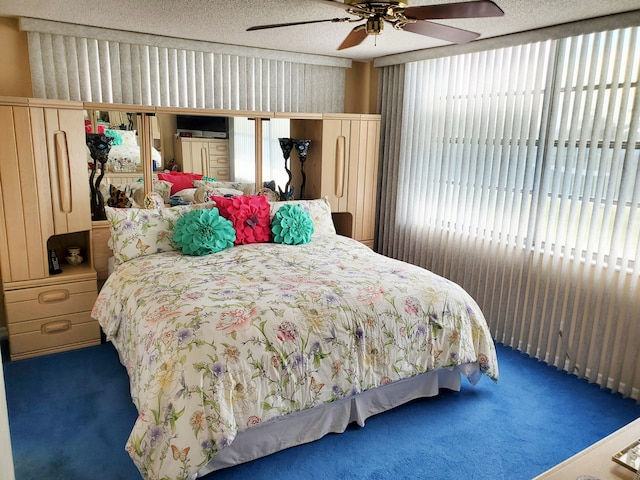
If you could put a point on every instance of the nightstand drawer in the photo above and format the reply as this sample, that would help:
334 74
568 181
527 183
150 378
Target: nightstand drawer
59 333
38 302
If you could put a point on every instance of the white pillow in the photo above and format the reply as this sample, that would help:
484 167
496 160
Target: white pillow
186 194
129 137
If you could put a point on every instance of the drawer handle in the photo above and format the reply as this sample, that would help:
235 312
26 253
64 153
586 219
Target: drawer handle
55 327
53 296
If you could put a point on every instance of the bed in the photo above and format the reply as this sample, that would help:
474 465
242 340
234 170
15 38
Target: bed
237 354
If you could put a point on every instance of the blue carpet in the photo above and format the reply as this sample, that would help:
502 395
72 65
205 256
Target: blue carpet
70 415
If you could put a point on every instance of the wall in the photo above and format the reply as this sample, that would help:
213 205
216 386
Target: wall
361 88
15 77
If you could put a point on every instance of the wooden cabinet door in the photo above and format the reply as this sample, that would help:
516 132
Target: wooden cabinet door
350 170
25 198
363 177
337 150
343 166
64 139
193 156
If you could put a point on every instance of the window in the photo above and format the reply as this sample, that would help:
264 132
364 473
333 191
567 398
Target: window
534 146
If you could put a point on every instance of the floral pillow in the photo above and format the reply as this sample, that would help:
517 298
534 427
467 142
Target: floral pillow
319 211
249 215
163 187
136 232
244 188
205 193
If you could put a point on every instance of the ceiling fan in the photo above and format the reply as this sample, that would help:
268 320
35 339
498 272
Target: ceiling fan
402 17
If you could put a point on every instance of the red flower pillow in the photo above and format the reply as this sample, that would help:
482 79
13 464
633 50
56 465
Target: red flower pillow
249 215
180 180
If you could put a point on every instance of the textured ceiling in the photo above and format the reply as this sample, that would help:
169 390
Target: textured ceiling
226 21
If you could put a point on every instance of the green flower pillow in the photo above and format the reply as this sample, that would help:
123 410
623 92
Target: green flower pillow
292 225
201 232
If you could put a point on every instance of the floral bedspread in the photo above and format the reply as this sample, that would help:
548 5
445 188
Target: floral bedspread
126 158
216 344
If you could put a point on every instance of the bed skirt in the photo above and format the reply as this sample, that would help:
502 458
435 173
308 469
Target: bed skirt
310 425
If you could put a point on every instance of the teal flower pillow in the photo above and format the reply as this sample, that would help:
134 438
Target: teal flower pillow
292 225
117 137
201 232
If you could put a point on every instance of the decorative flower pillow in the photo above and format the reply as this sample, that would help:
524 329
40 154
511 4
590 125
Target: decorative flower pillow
319 211
292 225
249 215
115 134
203 231
136 232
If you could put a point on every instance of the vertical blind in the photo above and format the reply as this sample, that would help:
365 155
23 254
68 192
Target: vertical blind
70 62
515 172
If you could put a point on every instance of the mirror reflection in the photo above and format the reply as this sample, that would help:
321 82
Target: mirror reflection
219 148
123 128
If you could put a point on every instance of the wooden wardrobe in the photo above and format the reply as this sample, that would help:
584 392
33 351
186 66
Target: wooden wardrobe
45 207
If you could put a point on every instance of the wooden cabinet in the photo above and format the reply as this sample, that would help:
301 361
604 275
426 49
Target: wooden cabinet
44 205
342 164
204 155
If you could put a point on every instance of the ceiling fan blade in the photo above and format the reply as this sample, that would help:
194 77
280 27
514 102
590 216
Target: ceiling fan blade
278 25
443 32
355 37
475 9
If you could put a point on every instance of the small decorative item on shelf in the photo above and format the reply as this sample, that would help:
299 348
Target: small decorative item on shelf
54 264
99 146
302 147
73 256
286 144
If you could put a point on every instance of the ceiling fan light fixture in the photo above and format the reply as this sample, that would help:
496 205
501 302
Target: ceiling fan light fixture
375 13
374 25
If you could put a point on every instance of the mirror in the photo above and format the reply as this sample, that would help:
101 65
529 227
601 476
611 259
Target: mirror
124 162
218 146
198 143
273 162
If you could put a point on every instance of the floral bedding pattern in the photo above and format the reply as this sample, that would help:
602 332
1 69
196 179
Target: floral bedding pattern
217 344
126 158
